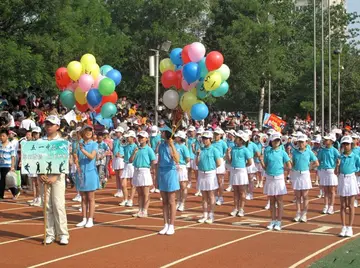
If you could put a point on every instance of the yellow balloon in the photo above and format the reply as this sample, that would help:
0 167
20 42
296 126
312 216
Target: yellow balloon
74 69
187 101
166 65
87 59
212 81
193 91
80 96
92 68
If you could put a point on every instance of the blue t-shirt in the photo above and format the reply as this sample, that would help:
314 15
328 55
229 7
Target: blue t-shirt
190 142
144 156
117 147
328 158
154 141
239 156
6 153
128 151
259 146
85 163
253 148
221 146
301 160
274 161
230 143
183 153
208 157
316 149
349 163
165 159
356 150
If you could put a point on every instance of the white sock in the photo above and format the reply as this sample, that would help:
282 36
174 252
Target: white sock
90 220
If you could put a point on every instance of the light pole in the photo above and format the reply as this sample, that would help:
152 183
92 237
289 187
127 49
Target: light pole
338 53
322 71
269 97
164 47
315 104
329 25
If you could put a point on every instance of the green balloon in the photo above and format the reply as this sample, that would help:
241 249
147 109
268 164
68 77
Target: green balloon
108 110
106 86
67 99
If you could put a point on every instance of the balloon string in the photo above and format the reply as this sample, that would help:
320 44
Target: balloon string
176 126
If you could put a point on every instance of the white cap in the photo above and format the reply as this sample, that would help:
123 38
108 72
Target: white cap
255 130
180 134
336 131
36 129
355 136
271 131
53 119
191 128
200 130
317 139
346 139
154 131
244 136
119 129
331 136
131 133
106 131
301 137
231 132
207 134
218 130
248 131
143 134
275 136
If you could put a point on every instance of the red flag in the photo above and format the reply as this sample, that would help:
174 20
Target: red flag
308 117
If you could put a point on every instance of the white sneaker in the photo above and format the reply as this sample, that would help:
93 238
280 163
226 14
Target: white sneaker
152 190
89 223
297 217
117 194
129 203
30 201
177 206
349 231
234 212
198 193
241 213
202 220
267 207
143 214
261 184
343 231
77 198
157 191
49 240
356 203
164 230
248 197
277 226
325 210
123 203
137 214
330 210
271 225
170 230
303 218
64 240
189 186
80 209
228 189
210 220
181 207
82 223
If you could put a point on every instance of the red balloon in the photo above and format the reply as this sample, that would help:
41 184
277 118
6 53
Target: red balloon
168 79
178 79
214 60
185 54
113 97
82 107
62 78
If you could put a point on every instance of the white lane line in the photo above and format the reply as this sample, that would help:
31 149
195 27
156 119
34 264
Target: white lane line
321 229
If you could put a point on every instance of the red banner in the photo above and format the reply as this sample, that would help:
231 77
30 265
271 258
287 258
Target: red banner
275 122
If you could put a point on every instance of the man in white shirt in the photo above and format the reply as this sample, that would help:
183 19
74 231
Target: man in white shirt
27 123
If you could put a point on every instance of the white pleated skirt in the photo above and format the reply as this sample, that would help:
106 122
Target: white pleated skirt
128 172
328 177
118 163
260 169
252 169
193 165
142 177
207 181
348 185
239 176
300 180
275 185
221 169
183 172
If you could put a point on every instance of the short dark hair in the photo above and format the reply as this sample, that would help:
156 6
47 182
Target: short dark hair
4 131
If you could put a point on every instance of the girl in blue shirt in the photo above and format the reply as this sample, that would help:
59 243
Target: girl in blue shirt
191 141
88 176
274 160
255 153
356 150
239 157
118 159
230 142
168 179
348 188
302 160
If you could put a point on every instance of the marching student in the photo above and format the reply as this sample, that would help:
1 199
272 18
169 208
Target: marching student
103 149
260 171
328 159
74 148
356 150
230 142
274 160
168 179
88 176
184 158
208 160
155 140
196 146
142 159
55 207
191 141
239 158
221 146
35 184
118 159
348 188
128 172
316 148
303 160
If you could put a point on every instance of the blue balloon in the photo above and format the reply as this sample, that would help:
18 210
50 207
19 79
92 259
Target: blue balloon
105 69
114 75
199 111
201 93
191 72
108 110
221 90
202 67
93 97
175 56
178 67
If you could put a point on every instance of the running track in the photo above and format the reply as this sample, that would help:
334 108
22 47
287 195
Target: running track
118 239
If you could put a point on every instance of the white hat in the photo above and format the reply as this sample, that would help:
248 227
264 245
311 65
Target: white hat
200 130
346 139
255 130
154 131
207 134
130 133
244 136
106 131
317 139
143 134
191 128
231 132
218 130
271 131
180 134
119 129
36 129
355 136
248 131
53 119
336 131
302 137
275 136
330 136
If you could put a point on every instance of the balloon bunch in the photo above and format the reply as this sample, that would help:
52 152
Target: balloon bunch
195 76
87 86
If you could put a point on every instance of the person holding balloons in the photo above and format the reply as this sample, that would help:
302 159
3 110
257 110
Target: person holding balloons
191 140
118 159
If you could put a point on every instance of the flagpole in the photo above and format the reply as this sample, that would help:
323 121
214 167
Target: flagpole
322 71
329 25
315 104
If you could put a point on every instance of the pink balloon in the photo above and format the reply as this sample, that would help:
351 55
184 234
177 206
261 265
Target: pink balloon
97 81
186 86
86 82
196 51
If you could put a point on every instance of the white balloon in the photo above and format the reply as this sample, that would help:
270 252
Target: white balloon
171 99
224 72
